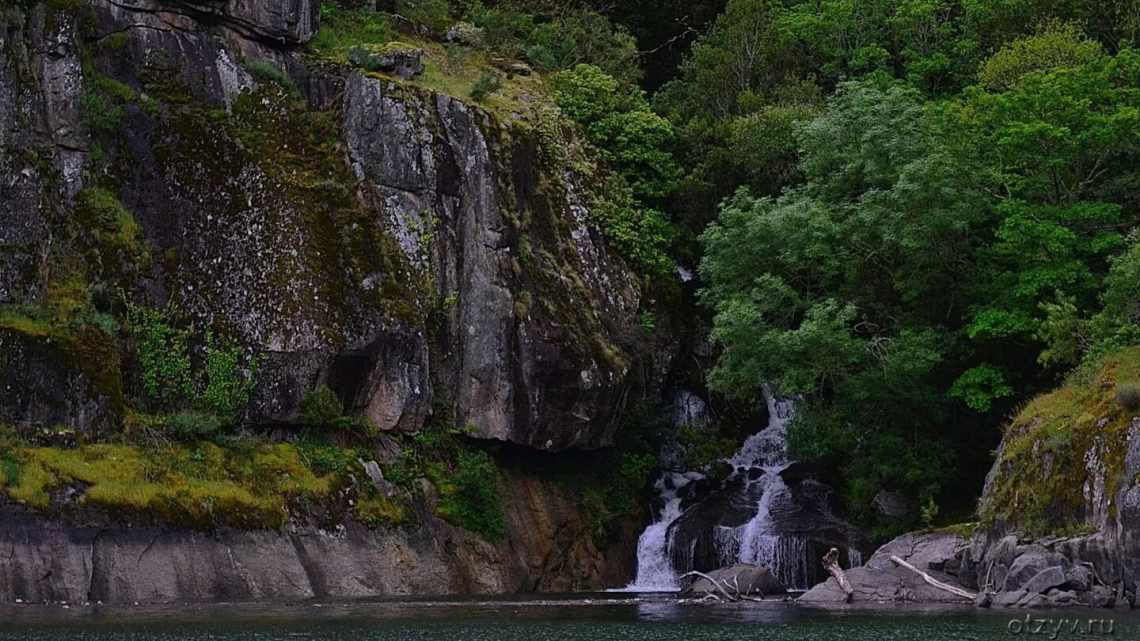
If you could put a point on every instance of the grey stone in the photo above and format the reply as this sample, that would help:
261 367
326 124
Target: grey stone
881 581
1027 566
1045 580
751 579
1062 597
1078 577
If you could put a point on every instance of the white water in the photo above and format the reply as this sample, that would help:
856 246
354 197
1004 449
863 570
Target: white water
654 571
754 542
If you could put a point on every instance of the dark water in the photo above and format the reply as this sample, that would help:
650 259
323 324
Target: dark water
596 618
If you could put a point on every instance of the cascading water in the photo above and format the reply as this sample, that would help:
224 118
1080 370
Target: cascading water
654 571
757 465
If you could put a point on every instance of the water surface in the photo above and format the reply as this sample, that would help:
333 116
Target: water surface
577 618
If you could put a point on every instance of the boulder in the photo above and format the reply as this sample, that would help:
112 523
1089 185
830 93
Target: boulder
1029 565
1078 577
1034 601
752 579
1045 580
881 581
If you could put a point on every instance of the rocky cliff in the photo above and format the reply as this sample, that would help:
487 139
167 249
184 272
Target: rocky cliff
425 258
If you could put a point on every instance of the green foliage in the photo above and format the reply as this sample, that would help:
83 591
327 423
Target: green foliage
1056 45
469 493
163 353
341 29
571 36
266 71
321 407
929 513
488 83
194 426
980 386
702 448
202 485
102 104
636 143
434 16
230 376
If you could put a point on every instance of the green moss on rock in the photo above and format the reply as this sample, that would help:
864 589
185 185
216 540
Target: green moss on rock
1044 462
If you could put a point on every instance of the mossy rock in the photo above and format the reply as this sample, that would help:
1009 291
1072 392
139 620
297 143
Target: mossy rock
1061 446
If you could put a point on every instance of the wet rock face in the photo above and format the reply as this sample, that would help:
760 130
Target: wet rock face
404 248
42 146
432 169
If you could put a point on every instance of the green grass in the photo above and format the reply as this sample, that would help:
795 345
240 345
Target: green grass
200 485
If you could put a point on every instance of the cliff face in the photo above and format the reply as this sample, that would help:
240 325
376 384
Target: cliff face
424 258
1061 506
398 244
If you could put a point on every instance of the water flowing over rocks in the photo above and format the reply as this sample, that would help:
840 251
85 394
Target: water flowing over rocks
755 516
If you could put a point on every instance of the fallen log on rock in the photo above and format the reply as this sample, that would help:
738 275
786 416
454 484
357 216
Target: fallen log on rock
831 564
952 589
732 592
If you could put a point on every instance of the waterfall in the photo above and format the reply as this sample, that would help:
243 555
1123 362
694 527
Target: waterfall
759 462
654 571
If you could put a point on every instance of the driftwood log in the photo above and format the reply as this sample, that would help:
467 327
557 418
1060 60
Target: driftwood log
723 587
952 589
831 564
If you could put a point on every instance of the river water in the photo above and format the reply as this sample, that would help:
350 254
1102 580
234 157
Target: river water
570 618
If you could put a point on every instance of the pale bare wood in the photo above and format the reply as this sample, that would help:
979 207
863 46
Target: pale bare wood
716 584
952 589
831 564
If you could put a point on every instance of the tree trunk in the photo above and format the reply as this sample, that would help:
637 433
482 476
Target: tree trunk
831 564
952 589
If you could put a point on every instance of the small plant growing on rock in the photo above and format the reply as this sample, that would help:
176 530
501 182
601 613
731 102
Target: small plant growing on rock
1128 395
487 84
265 71
321 407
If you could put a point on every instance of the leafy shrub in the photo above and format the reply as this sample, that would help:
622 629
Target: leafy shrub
192 426
1055 45
229 384
469 493
378 511
1128 396
163 353
342 29
432 15
488 83
266 71
929 512
574 36
321 407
